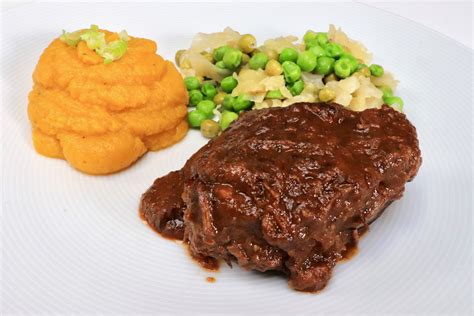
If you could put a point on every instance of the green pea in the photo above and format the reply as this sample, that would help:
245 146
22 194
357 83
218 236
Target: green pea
311 43
309 35
232 58
207 107
274 94
361 66
288 54
219 98
247 43
209 81
324 65
208 90
192 83
195 96
342 68
219 52
273 68
387 91
376 70
297 87
255 51
228 103
227 117
220 64
326 95
210 128
318 51
258 61
351 60
291 71
241 103
228 84
389 98
322 38
391 101
307 61
333 50
195 118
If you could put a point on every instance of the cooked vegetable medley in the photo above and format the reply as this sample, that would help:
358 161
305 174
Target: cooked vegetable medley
227 73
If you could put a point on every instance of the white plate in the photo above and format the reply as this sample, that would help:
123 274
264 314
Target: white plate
74 243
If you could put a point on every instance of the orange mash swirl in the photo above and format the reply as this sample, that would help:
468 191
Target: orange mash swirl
102 118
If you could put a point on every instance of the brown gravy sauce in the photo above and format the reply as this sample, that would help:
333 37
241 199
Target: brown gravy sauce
207 263
167 237
211 279
250 160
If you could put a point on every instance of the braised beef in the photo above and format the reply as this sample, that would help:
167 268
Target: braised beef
288 189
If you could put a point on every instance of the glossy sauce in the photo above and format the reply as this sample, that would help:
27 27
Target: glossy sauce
287 189
211 279
165 196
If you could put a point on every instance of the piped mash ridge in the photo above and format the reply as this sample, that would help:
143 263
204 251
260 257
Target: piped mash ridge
101 100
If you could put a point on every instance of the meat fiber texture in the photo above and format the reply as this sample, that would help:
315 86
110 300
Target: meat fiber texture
291 189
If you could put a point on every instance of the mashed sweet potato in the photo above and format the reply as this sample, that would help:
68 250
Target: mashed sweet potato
102 117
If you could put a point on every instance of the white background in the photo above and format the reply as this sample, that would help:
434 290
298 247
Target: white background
451 18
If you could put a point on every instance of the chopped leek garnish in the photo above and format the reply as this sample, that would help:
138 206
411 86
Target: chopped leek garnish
95 40
114 50
72 39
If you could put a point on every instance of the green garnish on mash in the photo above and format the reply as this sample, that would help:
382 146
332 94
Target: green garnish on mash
72 39
115 49
95 40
